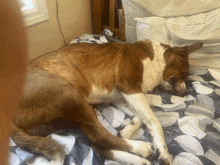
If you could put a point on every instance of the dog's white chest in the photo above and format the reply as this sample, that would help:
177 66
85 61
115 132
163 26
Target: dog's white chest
153 70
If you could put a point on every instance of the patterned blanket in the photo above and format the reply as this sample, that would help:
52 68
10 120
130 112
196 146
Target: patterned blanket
191 124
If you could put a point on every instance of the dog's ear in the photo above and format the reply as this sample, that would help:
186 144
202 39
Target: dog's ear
194 47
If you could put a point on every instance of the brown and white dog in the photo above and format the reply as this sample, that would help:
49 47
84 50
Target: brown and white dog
63 86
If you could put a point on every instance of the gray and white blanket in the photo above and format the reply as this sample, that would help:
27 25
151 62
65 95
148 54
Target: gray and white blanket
191 124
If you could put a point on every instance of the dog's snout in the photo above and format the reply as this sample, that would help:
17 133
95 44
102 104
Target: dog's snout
179 88
166 86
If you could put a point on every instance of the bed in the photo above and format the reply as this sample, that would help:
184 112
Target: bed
191 124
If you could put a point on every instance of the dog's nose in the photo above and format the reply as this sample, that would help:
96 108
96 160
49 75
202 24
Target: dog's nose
181 89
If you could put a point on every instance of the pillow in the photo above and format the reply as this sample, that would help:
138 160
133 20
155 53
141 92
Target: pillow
154 29
163 8
132 10
186 30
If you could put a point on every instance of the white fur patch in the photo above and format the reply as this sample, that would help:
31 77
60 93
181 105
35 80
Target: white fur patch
141 148
153 70
125 158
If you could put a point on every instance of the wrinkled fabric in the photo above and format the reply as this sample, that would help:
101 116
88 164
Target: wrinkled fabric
186 30
162 8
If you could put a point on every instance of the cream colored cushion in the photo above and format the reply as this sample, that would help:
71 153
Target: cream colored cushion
186 30
163 8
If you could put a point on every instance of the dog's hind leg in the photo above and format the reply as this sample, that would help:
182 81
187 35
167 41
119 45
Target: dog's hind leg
124 158
105 143
38 144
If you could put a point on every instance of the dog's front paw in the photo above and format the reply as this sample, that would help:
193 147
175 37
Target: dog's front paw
141 148
163 157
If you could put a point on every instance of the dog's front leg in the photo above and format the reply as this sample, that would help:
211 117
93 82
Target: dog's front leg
143 110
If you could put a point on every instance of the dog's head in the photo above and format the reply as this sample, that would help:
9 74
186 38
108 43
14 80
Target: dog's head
177 67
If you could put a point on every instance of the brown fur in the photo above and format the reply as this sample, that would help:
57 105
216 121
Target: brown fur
59 83
79 67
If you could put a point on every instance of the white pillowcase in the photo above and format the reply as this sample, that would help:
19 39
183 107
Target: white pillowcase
186 30
161 8
132 10
154 29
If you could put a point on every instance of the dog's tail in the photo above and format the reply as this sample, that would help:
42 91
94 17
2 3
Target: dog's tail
38 144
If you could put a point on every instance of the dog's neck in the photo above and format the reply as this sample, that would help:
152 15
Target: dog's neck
153 69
